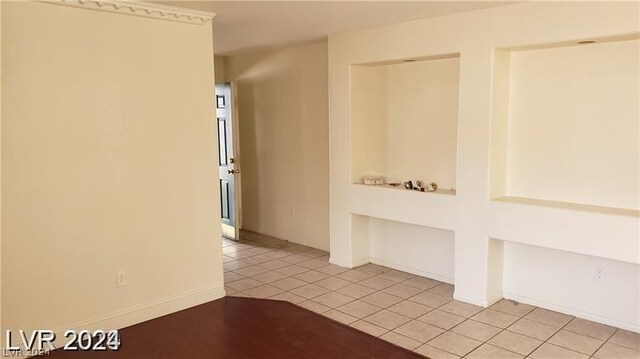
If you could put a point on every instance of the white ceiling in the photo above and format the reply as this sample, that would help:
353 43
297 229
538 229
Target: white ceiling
242 26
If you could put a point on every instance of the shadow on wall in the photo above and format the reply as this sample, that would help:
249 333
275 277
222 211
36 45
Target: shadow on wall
268 131
283 120
250 177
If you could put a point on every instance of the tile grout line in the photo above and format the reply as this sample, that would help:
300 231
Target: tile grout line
402 299
603 343
449 330
470 319
272 270
509 326
552 335
357 319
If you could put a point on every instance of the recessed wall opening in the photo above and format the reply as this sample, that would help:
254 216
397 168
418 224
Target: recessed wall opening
421 250
554 278
404 120
565 125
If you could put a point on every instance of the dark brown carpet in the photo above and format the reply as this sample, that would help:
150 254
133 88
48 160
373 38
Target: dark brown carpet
234 327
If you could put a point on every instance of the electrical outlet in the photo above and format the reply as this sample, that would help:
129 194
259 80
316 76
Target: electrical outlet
598 273
121 278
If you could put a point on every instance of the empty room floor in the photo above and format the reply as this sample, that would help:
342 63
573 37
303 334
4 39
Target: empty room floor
413 312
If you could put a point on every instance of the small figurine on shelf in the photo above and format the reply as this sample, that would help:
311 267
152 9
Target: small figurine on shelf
373 180
419 186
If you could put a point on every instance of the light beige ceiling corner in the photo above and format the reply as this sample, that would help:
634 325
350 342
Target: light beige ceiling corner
242 26
141 8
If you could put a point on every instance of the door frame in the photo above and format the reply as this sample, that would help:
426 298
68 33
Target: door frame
235 127
237 178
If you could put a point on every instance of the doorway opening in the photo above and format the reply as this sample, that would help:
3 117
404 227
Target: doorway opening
228 161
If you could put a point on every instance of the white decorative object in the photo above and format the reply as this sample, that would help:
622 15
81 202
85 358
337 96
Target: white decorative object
373 180
140 8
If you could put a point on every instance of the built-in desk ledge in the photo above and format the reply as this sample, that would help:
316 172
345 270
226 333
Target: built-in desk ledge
450 192
570 206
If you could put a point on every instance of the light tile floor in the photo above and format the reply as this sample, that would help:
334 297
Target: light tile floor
413 312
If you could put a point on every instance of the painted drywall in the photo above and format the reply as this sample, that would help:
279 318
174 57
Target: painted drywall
368 122
107 151
573 124
219 69
479 37
420 250
423 121
282 109
404 121
565 282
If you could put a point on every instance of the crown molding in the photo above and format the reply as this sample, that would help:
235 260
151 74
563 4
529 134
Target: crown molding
140 8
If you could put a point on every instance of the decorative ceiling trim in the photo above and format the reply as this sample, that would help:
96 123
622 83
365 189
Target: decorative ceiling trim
140 8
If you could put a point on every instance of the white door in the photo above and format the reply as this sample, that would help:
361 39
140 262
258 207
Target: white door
228 163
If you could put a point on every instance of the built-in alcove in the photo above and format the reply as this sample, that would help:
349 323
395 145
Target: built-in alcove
565 126
421 250
609 290
404 120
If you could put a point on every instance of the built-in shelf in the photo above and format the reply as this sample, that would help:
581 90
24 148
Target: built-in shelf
404 120
429 209
449 192
570 206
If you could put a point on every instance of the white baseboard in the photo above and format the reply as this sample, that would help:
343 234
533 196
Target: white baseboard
415 271
469 299
339 263
151 310
482 302
348 264
360 262
492 301
268 234
634 327
391 265
144 312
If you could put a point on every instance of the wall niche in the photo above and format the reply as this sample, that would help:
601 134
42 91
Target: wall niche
565 124
404 120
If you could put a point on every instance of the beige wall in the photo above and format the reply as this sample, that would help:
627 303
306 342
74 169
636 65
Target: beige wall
423 121
368 122
219 69
107 151
573 124
282 109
